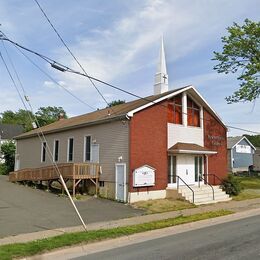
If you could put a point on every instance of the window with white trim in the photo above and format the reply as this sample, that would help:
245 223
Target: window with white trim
43 159
56 151
70 149
87 148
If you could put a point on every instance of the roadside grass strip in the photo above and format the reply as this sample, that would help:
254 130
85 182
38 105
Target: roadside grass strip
19 250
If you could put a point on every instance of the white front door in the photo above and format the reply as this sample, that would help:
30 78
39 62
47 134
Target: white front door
121 182
186 169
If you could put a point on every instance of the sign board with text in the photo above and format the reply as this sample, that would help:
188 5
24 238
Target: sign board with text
243 149
144 176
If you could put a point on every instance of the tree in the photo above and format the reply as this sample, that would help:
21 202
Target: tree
254 139
21 117
241 53
116 102
8 152
48 115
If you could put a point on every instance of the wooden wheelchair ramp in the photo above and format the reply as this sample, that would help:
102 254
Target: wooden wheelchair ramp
77 172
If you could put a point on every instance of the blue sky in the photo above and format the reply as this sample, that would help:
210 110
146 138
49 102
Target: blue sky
118 41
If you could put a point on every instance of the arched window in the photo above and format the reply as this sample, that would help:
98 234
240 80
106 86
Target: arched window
193 113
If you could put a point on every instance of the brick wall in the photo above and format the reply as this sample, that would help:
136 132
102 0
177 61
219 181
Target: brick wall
148 144
215 139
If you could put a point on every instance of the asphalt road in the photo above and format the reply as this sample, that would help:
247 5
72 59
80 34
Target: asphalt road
233 240
25 210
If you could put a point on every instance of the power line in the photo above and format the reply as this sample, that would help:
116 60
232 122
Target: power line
74 57
41 134
242 129
64 68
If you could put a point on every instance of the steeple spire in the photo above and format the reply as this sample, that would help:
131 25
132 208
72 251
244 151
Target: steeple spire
161 76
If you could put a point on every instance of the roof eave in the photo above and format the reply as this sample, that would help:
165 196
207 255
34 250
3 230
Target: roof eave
106 120
192 151
132 112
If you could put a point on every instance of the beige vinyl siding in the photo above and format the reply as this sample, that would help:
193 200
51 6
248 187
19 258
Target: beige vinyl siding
112 138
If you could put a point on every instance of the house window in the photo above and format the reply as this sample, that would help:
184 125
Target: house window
56 151
175 110
193 113
87 148
43 151
70 149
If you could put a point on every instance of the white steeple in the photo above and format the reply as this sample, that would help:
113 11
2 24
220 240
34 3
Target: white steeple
161 76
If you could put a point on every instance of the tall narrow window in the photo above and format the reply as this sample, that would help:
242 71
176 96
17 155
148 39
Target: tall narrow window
70 149
175 110
43 151
171 169
193 113
56 150
87 148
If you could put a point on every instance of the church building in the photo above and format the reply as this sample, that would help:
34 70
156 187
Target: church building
171 143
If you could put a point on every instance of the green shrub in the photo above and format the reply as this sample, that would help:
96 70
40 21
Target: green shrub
8 152
3 169
231 185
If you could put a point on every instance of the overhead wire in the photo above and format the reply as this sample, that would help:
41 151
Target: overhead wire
39 131
71 53
68 69
52 79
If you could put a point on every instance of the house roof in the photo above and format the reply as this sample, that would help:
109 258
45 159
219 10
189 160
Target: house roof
232 141
9 131
190 148
115 113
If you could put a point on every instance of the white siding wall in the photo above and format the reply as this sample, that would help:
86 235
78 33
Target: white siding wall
184 134
112 139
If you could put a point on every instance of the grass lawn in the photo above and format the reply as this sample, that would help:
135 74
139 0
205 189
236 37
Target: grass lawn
162 205
251 188
8 252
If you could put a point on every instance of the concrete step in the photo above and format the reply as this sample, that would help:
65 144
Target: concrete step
204 194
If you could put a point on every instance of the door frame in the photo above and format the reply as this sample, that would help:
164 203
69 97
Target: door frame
124 165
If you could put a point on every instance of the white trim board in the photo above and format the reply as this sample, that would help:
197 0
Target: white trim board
192 88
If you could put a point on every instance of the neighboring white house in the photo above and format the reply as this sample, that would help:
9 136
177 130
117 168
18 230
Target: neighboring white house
240 153
8 132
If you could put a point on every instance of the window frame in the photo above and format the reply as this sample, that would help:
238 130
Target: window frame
54 150
68 149
43 151
192 108
90 148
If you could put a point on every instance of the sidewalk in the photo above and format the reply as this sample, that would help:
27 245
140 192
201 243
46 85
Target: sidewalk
237 206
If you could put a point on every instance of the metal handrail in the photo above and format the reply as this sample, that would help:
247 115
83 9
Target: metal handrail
213 192
179 178
215 176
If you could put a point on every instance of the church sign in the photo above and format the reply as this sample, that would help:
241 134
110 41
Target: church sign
144 176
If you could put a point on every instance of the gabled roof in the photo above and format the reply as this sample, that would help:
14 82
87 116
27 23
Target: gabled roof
117 112
9 131
190 148
98 116
234 140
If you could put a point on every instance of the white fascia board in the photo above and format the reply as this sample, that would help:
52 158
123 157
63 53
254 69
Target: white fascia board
131 113
242 138
195 152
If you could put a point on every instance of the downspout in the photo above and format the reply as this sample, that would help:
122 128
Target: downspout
128 195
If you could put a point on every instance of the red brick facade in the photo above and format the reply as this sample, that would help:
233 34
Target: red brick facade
148 144
215 139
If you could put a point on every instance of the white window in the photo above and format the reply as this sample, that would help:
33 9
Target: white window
70 149
43 153
56 150
87 149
